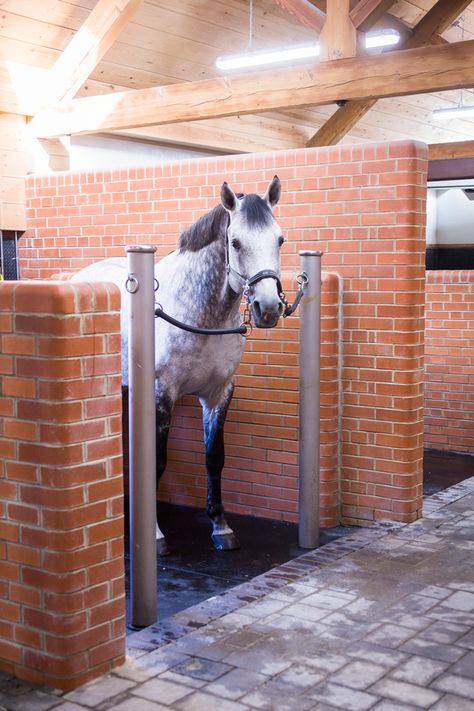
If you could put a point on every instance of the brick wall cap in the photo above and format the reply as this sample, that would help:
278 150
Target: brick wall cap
408 148
61 297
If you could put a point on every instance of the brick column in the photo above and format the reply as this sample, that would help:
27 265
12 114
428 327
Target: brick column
62 607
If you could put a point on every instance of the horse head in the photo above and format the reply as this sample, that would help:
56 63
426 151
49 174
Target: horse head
253 246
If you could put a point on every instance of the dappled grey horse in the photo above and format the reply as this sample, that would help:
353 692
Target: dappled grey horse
232 251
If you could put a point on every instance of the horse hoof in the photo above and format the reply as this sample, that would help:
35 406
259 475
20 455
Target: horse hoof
162 547
225 542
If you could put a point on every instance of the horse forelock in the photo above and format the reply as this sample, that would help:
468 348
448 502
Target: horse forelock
256 211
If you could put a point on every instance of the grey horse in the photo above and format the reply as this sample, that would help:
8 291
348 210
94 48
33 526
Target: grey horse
231 251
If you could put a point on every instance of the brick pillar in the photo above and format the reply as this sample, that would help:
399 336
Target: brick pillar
62 601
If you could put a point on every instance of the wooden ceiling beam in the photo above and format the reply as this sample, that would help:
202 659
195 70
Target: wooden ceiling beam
458 149
413 71
363 15
90 43
436 21
305 12
340 123
345 117
367 12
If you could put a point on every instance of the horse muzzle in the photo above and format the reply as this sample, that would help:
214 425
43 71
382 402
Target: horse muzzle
266 313
263 292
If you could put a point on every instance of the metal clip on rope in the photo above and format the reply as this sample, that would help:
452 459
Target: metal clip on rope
302 280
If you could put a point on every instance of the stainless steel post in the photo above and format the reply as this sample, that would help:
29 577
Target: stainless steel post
142 436
309 411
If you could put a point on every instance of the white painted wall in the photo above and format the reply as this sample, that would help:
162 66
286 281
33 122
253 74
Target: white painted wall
431 205
99 152
102 152
450 217
455 217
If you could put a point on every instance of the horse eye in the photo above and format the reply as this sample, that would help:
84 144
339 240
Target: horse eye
281 239
236 244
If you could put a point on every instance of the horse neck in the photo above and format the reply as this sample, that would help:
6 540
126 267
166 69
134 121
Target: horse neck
206 271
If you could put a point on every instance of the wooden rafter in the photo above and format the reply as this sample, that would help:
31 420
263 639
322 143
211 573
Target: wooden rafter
363 15
398 73
305 12
436 20
367 12
344 118
341 122
90 43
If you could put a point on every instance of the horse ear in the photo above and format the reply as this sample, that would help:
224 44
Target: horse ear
229 198
273 191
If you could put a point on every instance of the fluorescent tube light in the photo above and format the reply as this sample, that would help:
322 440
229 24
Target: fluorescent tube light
385 38
288 54
271 56
453 113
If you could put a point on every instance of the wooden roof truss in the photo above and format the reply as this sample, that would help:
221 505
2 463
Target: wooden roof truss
345 75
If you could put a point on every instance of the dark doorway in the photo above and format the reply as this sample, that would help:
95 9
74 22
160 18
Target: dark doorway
443 469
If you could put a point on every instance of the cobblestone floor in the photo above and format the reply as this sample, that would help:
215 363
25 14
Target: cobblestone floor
381 619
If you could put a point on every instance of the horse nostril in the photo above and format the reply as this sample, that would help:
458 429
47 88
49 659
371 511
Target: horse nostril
256 309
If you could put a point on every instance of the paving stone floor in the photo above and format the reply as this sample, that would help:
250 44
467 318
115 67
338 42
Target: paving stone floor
381 619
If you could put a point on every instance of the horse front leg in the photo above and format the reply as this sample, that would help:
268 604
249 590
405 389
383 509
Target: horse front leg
164 409
222 536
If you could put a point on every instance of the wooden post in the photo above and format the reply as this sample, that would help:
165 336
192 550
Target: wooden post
338 37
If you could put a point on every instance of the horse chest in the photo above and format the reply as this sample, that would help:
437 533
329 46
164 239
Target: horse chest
200 366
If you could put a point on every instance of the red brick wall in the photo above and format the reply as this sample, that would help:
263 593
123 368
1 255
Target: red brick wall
449 361
364 206
61 504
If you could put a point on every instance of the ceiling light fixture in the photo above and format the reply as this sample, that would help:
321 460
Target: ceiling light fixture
385 38
454 112
282 55
270 56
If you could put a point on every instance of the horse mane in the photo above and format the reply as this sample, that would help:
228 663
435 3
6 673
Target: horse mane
207 229
213 225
